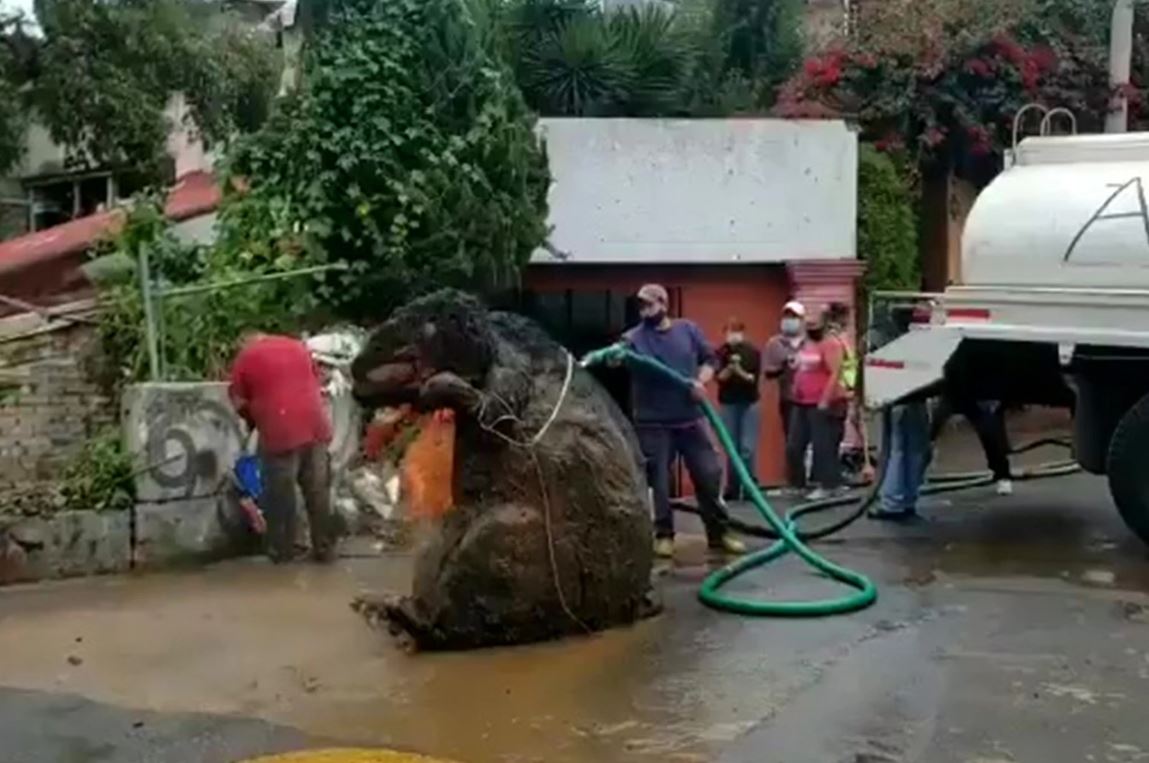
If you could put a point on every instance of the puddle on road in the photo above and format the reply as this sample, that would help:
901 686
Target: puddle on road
279 644
250 640
1004 540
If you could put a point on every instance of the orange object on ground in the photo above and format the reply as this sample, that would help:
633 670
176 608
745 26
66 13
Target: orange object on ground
428 467
384 428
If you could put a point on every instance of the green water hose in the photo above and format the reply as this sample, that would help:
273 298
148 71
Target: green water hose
788 539
950 482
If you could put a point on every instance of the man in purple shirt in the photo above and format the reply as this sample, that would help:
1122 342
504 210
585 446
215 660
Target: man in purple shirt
669 422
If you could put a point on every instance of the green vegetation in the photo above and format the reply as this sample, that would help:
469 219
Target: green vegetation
943 79
101 476
198 332
887 227
102 75
409 154
701 58
13 120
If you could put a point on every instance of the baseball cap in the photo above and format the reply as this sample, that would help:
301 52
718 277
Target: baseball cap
795 307
653 292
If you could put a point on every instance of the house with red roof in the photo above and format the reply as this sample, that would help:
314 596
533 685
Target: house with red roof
45 268
53 213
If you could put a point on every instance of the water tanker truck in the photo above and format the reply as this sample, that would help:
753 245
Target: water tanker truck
1053 305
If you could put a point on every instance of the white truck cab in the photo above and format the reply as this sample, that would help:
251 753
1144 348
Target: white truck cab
1053 307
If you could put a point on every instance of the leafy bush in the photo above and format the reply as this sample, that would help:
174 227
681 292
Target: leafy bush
198 333
573 59
945 78
12 114
760 40
887 227
105 71
101 477
699 58
409 154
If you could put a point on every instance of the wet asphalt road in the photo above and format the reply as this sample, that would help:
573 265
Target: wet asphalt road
1006 630
65 728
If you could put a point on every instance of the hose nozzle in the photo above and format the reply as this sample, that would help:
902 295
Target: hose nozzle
609 354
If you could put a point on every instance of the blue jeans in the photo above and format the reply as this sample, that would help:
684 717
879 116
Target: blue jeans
742 421
908 456
660 444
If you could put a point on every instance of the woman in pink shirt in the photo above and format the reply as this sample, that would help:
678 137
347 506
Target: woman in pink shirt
818 415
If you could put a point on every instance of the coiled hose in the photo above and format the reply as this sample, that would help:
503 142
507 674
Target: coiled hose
788 541
788 537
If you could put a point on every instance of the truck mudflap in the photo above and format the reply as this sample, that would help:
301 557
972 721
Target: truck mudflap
912 362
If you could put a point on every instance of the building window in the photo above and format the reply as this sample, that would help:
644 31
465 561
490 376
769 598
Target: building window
58 200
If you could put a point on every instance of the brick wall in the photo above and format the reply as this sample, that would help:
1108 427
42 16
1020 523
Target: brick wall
50 399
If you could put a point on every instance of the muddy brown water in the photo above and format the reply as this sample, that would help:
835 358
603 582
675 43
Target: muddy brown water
248 639
1001 624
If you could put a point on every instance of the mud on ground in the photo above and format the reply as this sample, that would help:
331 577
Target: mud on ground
1007 629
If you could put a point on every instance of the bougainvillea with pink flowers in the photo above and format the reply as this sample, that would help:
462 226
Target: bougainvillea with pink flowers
952 93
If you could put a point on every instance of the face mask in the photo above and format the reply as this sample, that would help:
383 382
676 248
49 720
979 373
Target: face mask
653 320
791 326
734 338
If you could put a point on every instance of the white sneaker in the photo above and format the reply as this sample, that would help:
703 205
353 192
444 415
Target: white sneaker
1005 487
817 494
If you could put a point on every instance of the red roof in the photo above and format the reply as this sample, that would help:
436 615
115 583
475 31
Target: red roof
44 267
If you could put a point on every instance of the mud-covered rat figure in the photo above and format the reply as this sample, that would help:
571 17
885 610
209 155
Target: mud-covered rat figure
547 537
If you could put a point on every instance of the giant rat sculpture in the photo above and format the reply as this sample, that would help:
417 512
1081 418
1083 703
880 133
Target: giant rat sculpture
551 531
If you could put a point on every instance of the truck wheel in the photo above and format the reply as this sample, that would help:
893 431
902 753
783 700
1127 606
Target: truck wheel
1128 468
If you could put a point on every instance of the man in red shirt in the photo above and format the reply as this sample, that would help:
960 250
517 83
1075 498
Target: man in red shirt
275 386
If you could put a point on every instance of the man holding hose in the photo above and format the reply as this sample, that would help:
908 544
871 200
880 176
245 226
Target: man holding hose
669 422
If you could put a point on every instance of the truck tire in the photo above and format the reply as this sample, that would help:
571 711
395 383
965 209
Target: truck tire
1128 468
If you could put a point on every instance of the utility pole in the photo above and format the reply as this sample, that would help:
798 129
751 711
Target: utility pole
1120 59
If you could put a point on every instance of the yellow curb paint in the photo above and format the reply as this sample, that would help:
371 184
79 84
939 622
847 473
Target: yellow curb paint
347 756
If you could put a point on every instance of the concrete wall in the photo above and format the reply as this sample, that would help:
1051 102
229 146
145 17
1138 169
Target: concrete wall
42 155
187 437
51 401
64 545
187 433
631 191
197 231
184 511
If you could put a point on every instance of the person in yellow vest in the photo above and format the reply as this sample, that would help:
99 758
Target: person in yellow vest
855 443
838 326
